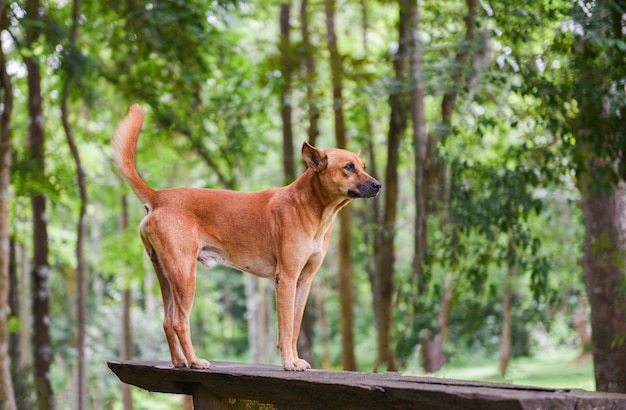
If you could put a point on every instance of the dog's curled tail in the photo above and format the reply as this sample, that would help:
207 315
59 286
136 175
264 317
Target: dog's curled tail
124 147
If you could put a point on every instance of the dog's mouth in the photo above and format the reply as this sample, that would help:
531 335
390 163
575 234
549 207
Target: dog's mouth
365 190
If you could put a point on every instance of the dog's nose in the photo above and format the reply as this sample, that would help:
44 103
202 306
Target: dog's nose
376 186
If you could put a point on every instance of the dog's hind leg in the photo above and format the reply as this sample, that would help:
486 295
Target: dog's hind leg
178 359
181 274
176 352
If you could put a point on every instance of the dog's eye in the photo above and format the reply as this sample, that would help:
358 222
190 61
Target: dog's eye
349 167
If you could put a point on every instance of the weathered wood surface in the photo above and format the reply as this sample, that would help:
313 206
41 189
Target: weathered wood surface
321 389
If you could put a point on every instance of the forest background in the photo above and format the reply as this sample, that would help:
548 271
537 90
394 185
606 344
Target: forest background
496 129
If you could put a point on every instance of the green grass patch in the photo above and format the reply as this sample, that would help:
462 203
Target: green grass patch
558 368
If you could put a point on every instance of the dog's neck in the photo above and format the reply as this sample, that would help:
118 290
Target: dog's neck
311 192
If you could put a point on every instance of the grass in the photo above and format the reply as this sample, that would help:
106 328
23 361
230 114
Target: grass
558 368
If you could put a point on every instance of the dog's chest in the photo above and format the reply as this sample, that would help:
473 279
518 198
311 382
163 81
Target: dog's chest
318 245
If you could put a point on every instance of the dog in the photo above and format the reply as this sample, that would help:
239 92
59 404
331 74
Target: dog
280 233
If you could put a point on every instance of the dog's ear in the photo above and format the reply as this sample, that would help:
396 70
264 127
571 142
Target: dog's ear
314 158
357 152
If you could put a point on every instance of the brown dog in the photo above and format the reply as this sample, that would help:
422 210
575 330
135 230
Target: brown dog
279 233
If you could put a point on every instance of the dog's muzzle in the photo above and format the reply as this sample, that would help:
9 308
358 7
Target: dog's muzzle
367 189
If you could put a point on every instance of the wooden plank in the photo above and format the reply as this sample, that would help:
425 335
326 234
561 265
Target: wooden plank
318 389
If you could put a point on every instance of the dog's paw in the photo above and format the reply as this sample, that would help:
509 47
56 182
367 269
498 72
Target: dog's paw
200 364
298 365
180 363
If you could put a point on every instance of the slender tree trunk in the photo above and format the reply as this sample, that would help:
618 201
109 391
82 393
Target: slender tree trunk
373 236
41 268
252 313
150 301
309 75
383 283
271 337
285 93
420 149
259 313
81 270
15 338
346 263
320 318
603 265
599 129
126 341
436 180
26 317
7 395
507 316
346 293
433 356
81 274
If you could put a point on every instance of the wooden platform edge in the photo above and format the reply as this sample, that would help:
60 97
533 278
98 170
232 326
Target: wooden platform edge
340 389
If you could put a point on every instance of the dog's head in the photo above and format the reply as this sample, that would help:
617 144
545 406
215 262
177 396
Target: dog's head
341 171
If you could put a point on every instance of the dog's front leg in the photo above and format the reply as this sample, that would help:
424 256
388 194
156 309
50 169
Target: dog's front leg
285 309
302 294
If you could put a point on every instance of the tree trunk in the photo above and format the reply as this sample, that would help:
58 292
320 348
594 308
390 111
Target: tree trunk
81 271
436 185
603 264
320 318
420 147
373 215
126 345
253 313
433 357
346 293
432 354
26 317
16 352
40 268
383 283
267 291
126 341
599 130
7 394
259 316
285 93
346 264
507 317
309 75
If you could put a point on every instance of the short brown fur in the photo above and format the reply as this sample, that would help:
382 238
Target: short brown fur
279 233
